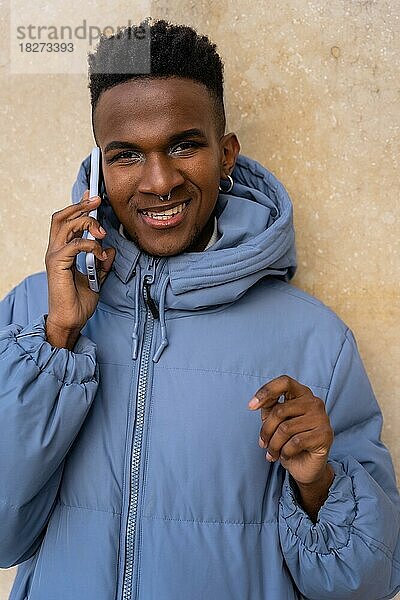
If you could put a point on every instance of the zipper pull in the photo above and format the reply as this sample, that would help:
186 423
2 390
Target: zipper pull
148 279
149 300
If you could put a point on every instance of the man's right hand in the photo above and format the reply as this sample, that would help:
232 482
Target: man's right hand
71 301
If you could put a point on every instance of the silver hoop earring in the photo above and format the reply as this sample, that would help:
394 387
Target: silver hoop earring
230 187
162 197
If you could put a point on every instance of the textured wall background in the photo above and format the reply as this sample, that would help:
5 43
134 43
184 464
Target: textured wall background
312 92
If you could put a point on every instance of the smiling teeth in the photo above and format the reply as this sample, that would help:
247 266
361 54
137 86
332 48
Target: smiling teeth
164 216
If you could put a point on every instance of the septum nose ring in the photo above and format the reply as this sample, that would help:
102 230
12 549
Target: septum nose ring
162 197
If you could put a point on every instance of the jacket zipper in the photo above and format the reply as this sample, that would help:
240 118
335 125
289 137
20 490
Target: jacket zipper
131 529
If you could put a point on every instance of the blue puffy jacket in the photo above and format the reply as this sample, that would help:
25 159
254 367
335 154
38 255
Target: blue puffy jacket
130 467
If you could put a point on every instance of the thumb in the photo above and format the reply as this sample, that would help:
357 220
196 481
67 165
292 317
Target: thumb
105 265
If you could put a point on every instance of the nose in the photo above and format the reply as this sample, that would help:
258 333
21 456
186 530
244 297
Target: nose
159 176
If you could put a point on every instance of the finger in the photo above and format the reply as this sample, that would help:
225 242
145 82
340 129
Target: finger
317 441
63 258
267 395
75 227
105 267
284 432
59 217
309 405
282 413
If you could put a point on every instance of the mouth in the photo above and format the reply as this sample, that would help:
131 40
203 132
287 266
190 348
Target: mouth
162 217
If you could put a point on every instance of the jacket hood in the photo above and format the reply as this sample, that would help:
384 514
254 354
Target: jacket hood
256 239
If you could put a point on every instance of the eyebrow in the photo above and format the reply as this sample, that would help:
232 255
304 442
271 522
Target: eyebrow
177 137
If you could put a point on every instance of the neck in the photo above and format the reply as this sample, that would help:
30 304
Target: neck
201 242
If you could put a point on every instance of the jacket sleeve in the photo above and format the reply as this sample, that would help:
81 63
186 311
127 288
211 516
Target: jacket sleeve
352 552
45 395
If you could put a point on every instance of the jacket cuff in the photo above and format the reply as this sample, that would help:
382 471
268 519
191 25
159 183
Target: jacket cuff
68 366
335 517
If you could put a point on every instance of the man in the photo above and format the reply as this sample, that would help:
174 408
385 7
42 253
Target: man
130 467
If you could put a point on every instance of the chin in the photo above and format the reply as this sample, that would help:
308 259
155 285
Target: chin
168 249
162 251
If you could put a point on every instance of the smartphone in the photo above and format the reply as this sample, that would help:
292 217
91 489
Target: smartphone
95 167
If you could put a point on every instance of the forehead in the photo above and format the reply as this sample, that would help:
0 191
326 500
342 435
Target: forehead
147 107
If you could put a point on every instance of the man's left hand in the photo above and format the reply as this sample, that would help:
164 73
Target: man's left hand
297 431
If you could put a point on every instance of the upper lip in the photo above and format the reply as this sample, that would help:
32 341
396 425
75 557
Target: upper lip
163 207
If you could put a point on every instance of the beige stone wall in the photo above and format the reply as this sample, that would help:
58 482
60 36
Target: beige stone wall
312 92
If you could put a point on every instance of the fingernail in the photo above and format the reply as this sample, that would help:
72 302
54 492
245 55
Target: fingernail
261 442
93 199
254 402
269 457
104 254
102 229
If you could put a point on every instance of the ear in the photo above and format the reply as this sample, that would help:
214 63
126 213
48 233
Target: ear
229 150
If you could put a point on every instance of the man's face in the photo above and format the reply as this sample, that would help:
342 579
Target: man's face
146 118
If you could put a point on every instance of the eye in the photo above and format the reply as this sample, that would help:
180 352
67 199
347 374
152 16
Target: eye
126 155
186 145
